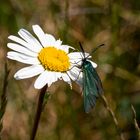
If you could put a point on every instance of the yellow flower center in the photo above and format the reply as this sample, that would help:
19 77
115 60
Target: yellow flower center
54 59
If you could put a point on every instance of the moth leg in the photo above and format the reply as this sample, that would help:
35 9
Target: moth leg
79 75
76 65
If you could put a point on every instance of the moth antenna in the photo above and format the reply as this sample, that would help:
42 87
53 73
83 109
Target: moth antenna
82 49
95 49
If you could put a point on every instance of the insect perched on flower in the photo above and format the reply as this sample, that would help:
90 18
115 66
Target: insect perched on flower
48 57
92 86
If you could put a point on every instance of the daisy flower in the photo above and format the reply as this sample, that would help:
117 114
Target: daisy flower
46 56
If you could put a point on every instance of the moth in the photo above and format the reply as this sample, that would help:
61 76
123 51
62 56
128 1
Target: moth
92 85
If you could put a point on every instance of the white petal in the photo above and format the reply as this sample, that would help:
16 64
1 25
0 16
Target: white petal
76 62
45 39
57 44
65 48
21 49
66 78
22 42
45 78
28 72
40 34
74 73
50 40
93 64
34 44
58 75
41 81
77 55
54 77
38 31
22 58
79 81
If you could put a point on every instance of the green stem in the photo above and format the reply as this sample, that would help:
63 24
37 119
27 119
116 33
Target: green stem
38 112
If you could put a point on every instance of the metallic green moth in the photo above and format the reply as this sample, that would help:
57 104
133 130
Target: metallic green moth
92 85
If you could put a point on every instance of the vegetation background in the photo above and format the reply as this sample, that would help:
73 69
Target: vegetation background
92 22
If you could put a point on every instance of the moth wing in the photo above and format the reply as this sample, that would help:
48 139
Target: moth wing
92 87
97 80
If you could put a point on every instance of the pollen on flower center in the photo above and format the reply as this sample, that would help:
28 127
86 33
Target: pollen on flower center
54 59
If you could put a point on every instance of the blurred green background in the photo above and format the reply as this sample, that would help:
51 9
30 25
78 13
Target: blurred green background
92 22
